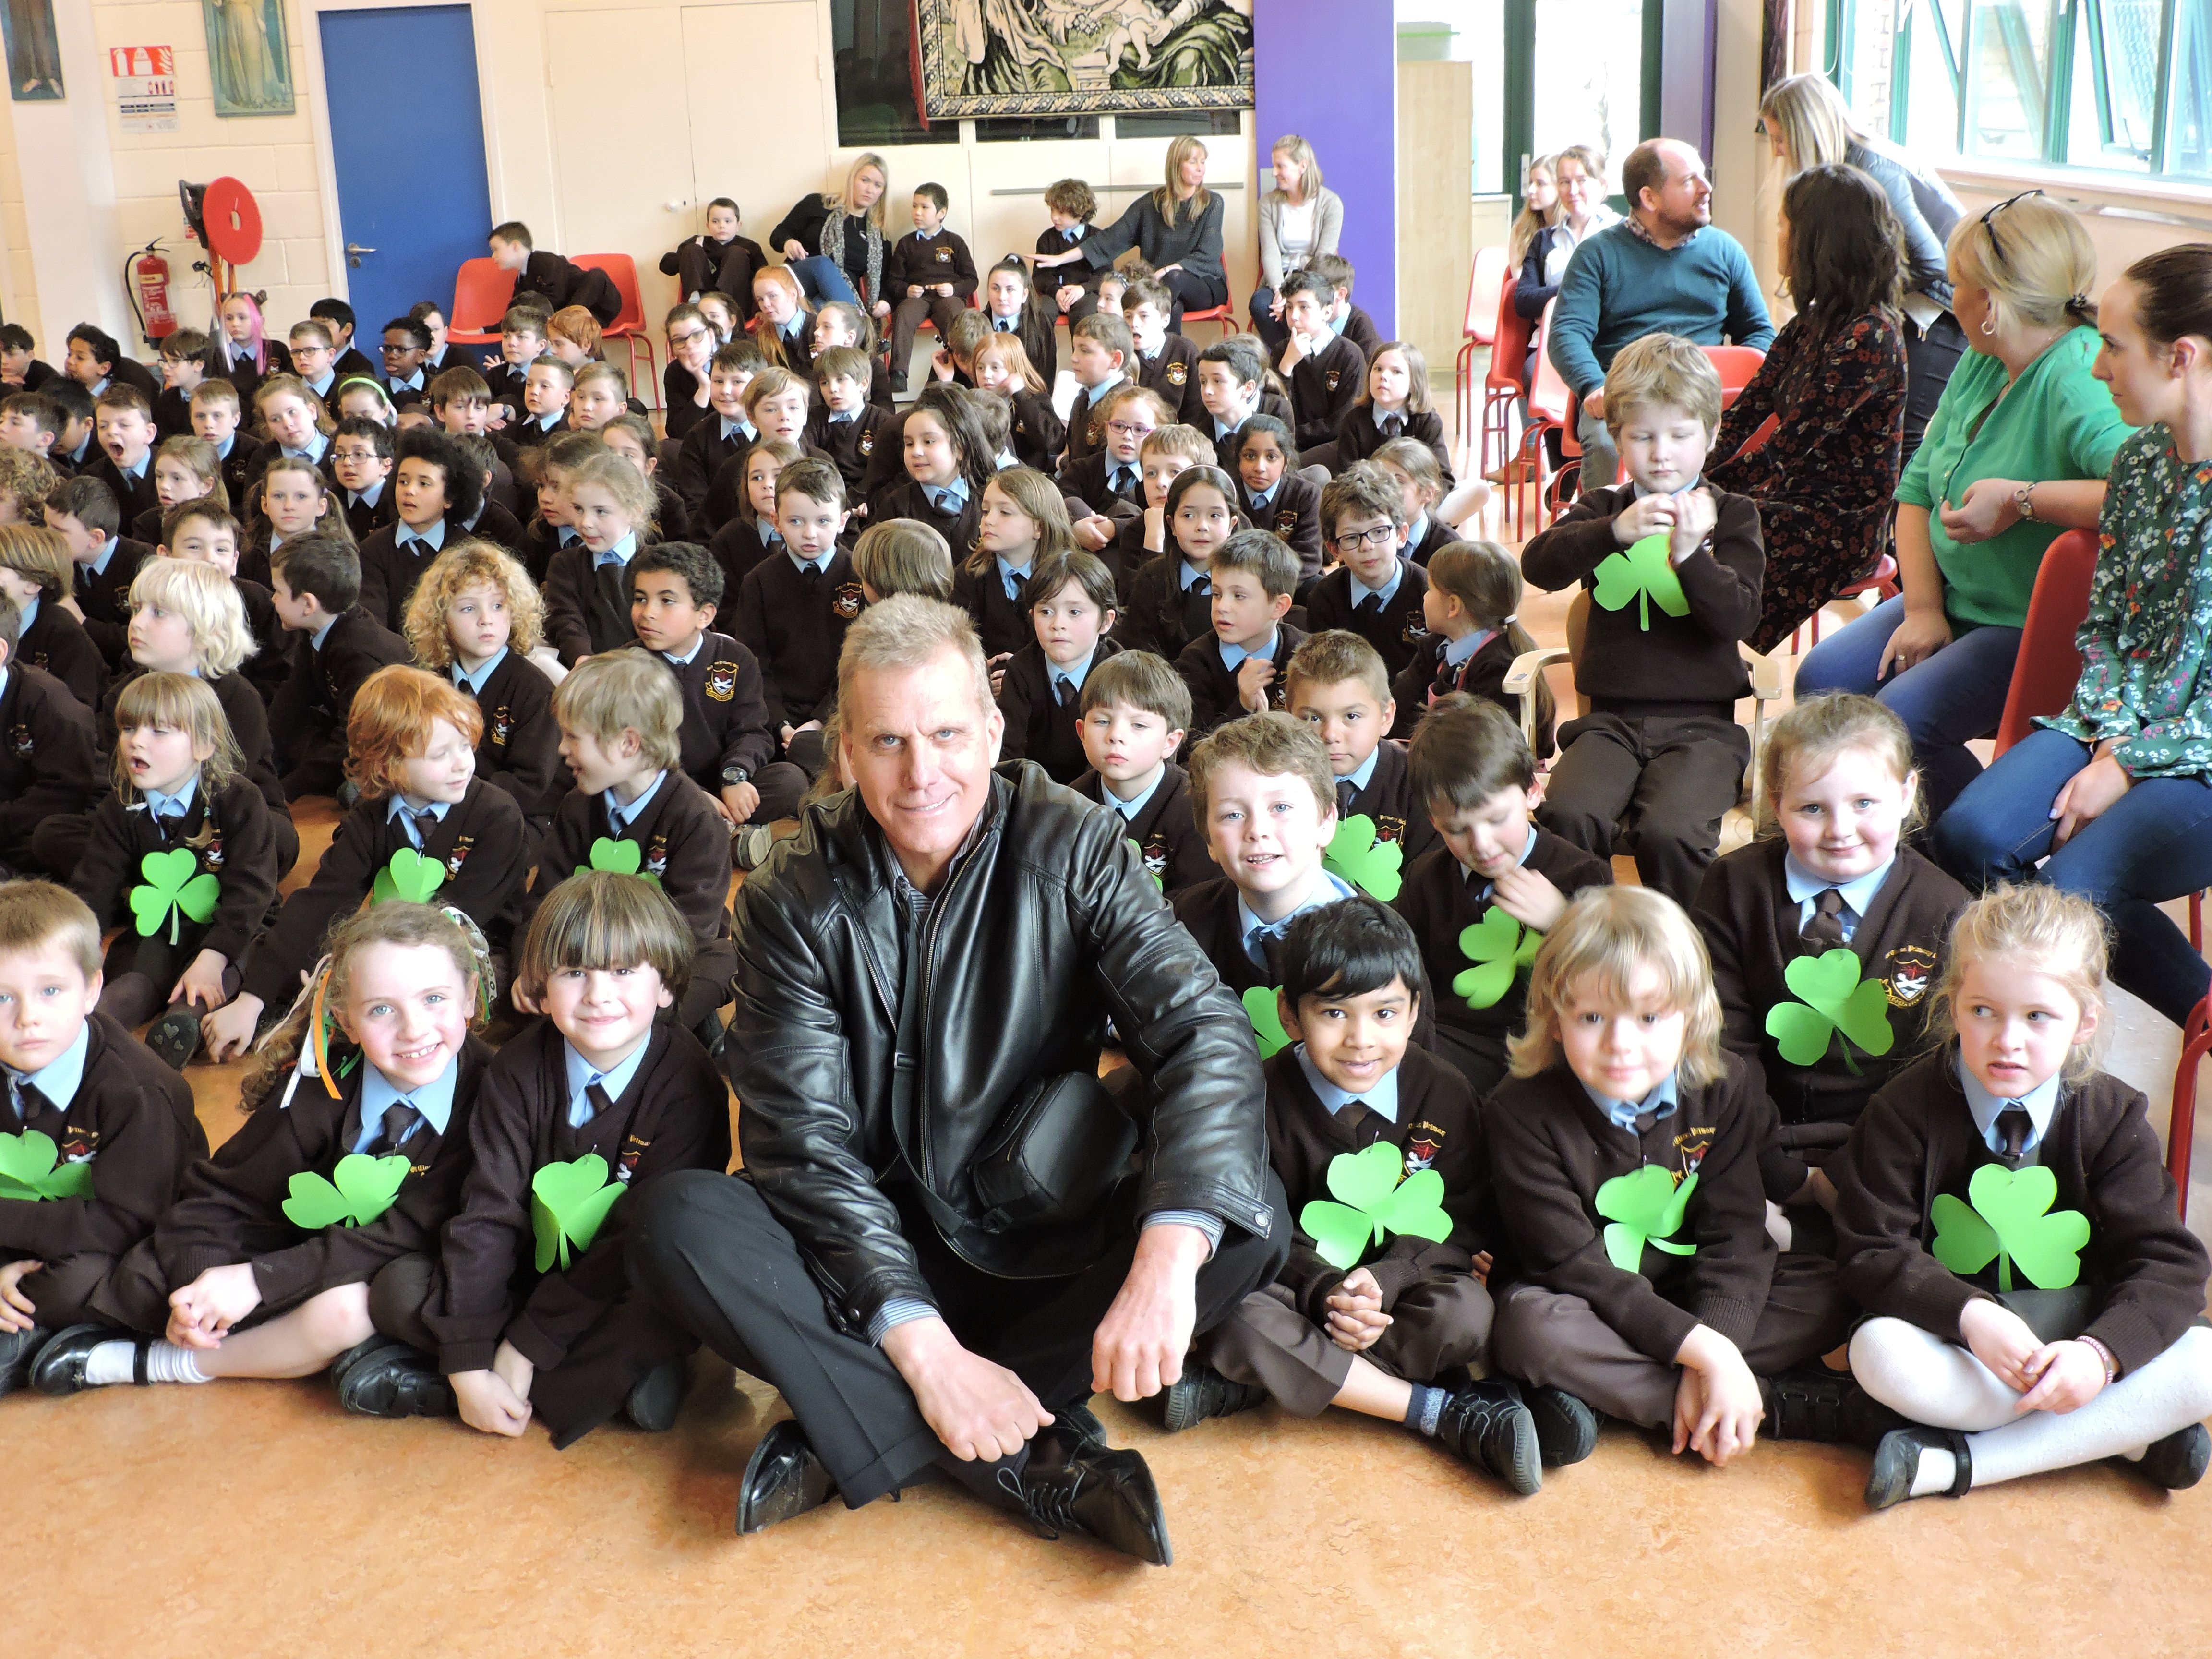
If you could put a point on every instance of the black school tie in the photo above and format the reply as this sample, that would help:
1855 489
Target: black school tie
1021 586
1392 426
1346 792
1064 689
1370 607
398 1122
2012 1125
426 825
1202 586
1824 930
810 575
595 1101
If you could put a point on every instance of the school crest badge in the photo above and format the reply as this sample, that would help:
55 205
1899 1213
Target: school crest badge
1286 521
211 852
867 445
502 726
1178 373
945 256
1388 829
656 856
1421 1150
79 1145
1692 1146
458 856
22 740
1412 633
1330 377
1908 971
1155 855
722 681
633 1150
848 601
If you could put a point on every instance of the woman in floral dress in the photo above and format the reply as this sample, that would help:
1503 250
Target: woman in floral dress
2116 793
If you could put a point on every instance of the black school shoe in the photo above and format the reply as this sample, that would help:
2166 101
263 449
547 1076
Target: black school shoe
175 1038
17 1350
1102 1494
783 1479
58 1369
1826 1406
655 1397
1487 1424
2177 1462
390 1379
1202 1392
1897 1461
1566 1426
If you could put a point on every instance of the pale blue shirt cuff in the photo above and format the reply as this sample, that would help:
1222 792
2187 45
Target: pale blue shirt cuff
899 1310
1211 1225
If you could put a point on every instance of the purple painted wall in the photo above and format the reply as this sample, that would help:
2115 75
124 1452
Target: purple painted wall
1329 72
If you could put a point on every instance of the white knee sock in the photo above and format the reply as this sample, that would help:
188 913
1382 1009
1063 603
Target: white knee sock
2172 1392
115 1362
1921 1377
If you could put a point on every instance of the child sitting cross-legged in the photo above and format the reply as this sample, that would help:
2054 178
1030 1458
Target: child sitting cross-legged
1239 668
2030 1346
1338 686
263 1265
1040 690
1136 710
1374 1327
1638 1277
526 1301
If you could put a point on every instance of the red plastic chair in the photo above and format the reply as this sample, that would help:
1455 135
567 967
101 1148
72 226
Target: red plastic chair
1489 271
629 324
2044 673
1736 364
1503 385
1221 314
1883 584
1551 408
2181 1120
481 291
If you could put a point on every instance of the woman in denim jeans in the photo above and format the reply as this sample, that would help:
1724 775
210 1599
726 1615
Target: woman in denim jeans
835 242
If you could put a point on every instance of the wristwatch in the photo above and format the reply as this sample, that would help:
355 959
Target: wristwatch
2024 499
736 774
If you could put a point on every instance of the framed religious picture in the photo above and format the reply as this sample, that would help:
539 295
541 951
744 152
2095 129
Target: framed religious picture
248 57
34 57
982 58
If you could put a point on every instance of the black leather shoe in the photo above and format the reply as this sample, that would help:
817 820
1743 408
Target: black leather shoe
1075 1427
59 1367
1897 1461
2178 1461
784 1479
392 1380
175 1038
1826 1406
17 1350
655 1397
1487 1425
1106 1495
1200 1393
1566 1427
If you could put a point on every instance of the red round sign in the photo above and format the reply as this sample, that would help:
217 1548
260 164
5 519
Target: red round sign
234 222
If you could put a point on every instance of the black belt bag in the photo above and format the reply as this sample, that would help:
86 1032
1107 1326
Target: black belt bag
1064 1144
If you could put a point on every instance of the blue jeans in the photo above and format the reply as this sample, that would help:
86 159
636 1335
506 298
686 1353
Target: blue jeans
1944 700
2153 843
822 280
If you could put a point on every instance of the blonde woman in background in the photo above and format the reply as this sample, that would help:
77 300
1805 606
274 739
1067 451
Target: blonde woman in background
1299 221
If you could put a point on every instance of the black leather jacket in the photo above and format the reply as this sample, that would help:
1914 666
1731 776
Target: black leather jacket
1045 924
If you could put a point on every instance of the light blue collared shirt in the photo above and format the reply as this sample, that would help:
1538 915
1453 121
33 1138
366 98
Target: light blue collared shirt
159 805
623 816
1382 1098
405 814
222 450
1117 471
1360 590
58 1078
685 661
1253 931
1490 887
434 1100
1259 501
315 640
1106 386
1805 887
100 564
582 1077
412 383
1233 656
1190 576
1363 774
957 490
139 470
734 429
820 561
1076 672
2040 1103
26 615
620 553
1381 415
322 388
1230 428
1458 651
1660 1103
476 682
405 535
317 444
1129 809
372 495
1008 572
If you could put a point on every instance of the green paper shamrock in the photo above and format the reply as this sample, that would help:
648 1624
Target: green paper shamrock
1856 1009
567 1202
1643 573
410 876
1645 1208
1266 1017
27 1171
1369 864
359 1189
170 886
2007 1222
622 857
1158 879
1375 1203
1500 948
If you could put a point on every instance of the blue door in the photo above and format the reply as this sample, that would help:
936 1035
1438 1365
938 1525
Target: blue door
407 134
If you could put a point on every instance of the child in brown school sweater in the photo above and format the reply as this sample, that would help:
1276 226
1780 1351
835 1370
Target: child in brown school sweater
586 581
46 765
529 1308
1375 1328
315 587
1659 670
1168 600
1020 522
1338 687
263 1265
1838 783
1136 710
37 573
1624 1150
1040 689
1472 611
793 607
435 490
1240 666
750 535
2003 1216
1374 589
118 1125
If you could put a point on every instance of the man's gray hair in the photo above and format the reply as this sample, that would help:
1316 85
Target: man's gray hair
909 631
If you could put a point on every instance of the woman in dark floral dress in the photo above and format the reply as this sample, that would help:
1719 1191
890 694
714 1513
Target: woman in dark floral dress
1835 380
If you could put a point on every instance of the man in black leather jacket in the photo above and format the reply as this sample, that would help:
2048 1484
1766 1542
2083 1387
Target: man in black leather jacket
867 1261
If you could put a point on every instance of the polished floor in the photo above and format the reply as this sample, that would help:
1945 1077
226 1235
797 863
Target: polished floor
248 1519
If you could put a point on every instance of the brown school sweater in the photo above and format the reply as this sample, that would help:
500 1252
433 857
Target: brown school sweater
45 752
1038 434
1436 1128
1292 512
1160 615
1425 678
1038 727
57 642
1438 898
701 455
1172 371
586 608
227 832
1358 437
249 727
1389 799
794 625
724 712
1551 1148
390 571
1750 926
1394 626
1917 1138
925 261
850 443
232 1208
1091 481
1168 839
308 716
726 490
520 748
132 1119
480 841
738 546
1438 534
684 840
674 1115
1683 665
104 596
1214 687
1323 389
905 499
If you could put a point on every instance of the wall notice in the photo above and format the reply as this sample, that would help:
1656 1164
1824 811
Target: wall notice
145 87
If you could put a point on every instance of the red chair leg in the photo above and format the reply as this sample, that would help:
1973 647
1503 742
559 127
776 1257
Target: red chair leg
2181 1124
2197 921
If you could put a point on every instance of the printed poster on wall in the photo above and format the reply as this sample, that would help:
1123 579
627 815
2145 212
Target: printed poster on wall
1044 58
145 87
34 58
247 58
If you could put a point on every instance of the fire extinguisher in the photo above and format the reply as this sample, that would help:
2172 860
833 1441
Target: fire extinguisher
146 280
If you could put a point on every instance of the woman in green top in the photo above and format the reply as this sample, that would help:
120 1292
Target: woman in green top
2016 454
2117 790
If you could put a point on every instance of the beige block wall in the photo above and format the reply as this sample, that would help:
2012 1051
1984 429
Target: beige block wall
18 283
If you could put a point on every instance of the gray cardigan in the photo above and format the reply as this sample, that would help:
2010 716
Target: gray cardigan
1328 225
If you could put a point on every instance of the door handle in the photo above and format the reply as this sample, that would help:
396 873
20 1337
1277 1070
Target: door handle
355 247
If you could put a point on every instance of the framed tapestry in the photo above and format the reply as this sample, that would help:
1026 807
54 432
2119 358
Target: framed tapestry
982 58
34 60
248 57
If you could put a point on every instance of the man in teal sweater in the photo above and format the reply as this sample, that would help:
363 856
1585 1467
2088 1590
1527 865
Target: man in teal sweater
1663 269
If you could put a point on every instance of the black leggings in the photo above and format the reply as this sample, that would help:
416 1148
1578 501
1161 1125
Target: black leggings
1194 293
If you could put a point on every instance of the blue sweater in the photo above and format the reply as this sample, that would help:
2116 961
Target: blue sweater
1619 288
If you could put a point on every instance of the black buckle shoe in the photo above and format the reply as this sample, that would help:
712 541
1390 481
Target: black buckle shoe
17 1350
1897 1461
59 1368
2178 1461
1826 1406
1106 1495
784 1477
1487 1425
655 1397
1200 1393
1566 1427
392 1380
